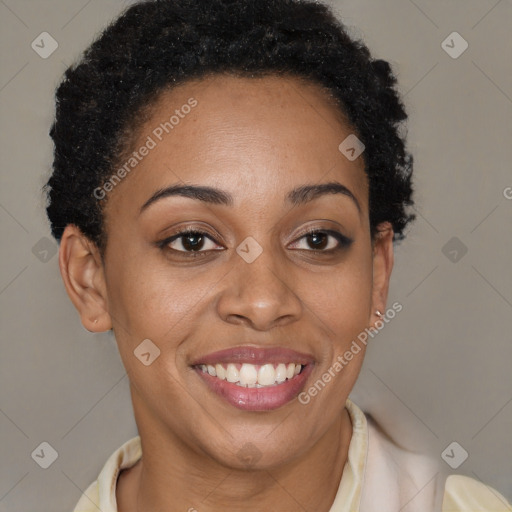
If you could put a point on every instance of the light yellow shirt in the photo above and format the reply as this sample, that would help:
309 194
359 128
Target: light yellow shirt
378 477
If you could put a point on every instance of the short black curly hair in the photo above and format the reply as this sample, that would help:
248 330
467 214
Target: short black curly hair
157 44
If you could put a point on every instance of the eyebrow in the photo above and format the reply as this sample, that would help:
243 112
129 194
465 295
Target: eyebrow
296 197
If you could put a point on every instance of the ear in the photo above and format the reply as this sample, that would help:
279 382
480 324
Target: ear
383 258
81 268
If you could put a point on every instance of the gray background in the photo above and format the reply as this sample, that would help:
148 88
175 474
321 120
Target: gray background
438 373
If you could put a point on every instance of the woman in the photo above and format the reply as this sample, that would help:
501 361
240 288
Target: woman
229 181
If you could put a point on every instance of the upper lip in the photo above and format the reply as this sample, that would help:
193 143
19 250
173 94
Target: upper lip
254 355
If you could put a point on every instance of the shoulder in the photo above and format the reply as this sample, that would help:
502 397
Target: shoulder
465 494
89 499
101 493
417 482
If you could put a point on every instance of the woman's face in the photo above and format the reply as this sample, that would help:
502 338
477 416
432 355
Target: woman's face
257 294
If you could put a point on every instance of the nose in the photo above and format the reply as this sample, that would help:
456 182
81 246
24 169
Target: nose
259 294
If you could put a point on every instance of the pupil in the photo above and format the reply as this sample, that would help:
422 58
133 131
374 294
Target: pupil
318 243
189 243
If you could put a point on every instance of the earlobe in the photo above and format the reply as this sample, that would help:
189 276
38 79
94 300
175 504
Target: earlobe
383 259
82 271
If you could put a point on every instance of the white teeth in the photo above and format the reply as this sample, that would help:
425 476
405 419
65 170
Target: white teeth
252 376
221 373
266 375
232 373
280 373
248 374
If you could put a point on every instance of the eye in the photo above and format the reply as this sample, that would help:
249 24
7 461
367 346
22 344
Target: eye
190 241
323 241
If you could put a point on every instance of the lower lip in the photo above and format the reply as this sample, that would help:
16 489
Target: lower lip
258 399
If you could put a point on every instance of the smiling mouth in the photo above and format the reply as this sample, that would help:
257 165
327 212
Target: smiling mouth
253 376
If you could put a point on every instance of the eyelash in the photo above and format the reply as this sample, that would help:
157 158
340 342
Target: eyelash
343 241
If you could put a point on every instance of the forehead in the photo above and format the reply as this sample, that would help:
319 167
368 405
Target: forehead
256 138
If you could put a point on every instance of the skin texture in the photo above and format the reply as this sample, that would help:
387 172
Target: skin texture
256 139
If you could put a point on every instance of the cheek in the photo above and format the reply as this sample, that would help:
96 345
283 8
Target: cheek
341 307
154 301
341 299
152 313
